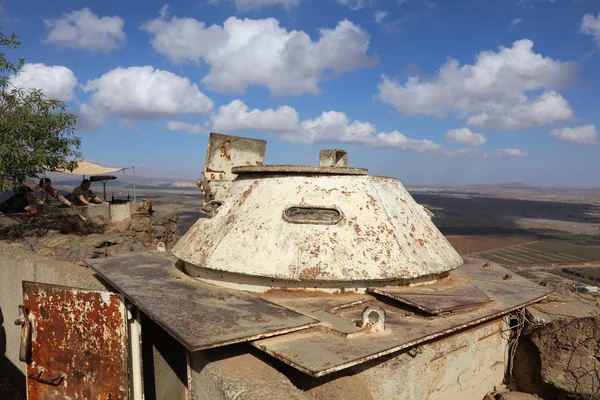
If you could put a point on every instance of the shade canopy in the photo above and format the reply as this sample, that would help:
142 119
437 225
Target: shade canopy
88 168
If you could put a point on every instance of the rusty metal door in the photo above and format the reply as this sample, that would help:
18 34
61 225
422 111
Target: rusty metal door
74 342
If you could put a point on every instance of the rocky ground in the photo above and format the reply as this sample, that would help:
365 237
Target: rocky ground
558 349
73 237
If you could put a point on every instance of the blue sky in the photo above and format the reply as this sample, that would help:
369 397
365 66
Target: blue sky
431 92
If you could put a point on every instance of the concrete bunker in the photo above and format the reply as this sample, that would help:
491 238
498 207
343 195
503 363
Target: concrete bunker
299 282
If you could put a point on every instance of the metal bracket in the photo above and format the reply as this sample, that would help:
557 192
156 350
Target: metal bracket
53 378
373 318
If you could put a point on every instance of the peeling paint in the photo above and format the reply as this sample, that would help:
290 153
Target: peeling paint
78 342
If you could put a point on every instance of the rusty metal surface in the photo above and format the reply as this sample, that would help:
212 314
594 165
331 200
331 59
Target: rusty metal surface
456 294
382 237
225 152
78 344
319 351
297 169
198 315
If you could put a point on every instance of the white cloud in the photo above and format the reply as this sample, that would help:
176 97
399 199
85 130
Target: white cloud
397 140
465 136
352 4
507 153
56 82
479 153
529 3
379 16
236 116
590 25
330 126
586 134
85 30
516 21
246 52
335 126
247 5
145 93
186 127
496 83
549 108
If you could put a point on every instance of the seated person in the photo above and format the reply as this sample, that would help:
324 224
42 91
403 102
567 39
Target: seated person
83 195
18 202
40 199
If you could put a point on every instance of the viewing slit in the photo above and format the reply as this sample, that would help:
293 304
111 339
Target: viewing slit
312 215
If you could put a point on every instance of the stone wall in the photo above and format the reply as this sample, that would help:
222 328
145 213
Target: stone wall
70 235
558 354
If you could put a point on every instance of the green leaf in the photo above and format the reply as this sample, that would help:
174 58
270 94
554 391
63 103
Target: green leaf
36 133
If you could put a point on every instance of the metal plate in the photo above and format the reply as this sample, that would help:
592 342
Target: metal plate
200 316
78 343
454 295
298 169
225 152
318 352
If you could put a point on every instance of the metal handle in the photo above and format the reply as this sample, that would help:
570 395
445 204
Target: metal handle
25 348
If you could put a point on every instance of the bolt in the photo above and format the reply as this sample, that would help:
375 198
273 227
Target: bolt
20 321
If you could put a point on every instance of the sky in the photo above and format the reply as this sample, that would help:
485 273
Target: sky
432 92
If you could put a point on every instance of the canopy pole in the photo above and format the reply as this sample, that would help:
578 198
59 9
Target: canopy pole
134 195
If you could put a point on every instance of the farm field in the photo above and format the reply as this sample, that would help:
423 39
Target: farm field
552 251
468 245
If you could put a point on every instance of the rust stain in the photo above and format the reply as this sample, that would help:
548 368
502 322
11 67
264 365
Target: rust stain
286 290
225 153
310 273
78 344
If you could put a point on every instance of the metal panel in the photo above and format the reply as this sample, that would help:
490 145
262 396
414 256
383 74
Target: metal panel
225 152
198 315
437 300
78 343
318 352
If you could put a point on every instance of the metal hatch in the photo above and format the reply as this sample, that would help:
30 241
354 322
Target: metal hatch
318 352
198 315
74 342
